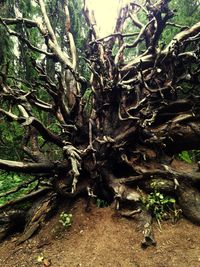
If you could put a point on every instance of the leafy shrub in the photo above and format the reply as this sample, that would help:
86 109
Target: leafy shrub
160 205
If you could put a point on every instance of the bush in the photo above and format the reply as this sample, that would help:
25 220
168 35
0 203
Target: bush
160 205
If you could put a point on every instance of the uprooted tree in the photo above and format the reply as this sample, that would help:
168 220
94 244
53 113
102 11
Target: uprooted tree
116 129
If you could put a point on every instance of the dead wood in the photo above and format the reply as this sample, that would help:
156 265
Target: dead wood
114 144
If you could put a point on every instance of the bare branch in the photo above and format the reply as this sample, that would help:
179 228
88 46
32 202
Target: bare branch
183 35
39 167
26 41
47 22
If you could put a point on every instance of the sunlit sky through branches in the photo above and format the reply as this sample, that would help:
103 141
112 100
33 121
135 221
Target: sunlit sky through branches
106 13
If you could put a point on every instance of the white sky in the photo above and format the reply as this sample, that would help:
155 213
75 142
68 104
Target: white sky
105 13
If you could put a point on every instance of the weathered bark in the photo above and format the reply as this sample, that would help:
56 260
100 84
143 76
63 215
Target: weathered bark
189 200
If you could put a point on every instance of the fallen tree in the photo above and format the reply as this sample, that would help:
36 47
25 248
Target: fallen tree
126 133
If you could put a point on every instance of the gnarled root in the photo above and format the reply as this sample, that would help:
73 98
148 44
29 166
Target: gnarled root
189 201
42 211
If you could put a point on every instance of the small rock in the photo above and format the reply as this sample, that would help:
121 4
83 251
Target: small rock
47 262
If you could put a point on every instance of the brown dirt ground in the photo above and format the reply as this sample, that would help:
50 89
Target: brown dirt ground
99 239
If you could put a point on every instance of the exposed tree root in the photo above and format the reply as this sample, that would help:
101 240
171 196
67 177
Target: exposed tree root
138 118
38 215
189 201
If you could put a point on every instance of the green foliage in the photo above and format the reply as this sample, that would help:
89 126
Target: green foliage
10 181
185 156
6 43
78 23
66 219
159 204
101 203
27 8
88 98
79 30
190 156
10 140
186 13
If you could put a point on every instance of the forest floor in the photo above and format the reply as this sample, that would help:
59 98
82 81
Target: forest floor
100 238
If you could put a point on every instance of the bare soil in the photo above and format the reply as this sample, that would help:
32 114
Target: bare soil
100 238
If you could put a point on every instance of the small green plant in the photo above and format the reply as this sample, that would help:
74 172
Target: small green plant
160 205
101 203
185 156
66 219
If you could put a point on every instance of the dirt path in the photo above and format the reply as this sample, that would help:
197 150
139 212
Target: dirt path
101 239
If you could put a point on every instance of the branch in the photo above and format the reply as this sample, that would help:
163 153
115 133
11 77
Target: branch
136 21
30 196
25 121
144 60
26 41
183 35
114 35
134 44
45 133
168 173
19 187
29 167
70 36
47 21
182 27
24 167
121 17
90 19
10 21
